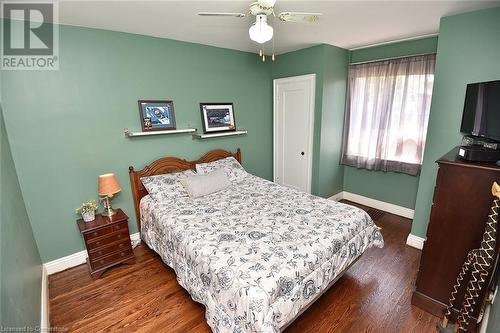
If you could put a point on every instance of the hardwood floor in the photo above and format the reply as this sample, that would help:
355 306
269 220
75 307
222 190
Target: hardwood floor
373 295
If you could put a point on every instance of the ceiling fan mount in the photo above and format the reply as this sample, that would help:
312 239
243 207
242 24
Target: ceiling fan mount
257 8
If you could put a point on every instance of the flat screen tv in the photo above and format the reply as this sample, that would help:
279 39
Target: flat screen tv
481 115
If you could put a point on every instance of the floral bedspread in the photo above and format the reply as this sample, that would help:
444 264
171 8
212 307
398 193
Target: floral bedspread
256 253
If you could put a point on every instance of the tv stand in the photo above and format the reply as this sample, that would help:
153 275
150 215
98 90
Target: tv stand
461 204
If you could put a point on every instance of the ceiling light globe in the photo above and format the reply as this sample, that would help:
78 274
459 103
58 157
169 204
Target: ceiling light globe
267 3
260 32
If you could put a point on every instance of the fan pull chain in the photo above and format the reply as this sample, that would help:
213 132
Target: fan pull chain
273 57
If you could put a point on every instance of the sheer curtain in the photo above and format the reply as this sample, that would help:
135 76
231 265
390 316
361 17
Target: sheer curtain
387 112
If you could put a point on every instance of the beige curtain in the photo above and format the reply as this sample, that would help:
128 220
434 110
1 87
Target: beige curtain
387 112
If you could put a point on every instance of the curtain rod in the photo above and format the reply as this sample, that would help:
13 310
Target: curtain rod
391 58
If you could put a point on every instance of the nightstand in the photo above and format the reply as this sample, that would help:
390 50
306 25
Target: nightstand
107 241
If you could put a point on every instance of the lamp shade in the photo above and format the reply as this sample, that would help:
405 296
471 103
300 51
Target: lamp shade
108 185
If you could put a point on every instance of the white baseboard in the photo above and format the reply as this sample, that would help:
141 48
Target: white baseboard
75 259
385 206
66 262
337 197
412 240
415 241
44 302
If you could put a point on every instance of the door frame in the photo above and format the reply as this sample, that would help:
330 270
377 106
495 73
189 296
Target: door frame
311 78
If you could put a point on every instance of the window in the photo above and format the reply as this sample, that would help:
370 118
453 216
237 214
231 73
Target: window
387 112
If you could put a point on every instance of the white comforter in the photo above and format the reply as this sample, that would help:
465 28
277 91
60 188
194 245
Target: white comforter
256 253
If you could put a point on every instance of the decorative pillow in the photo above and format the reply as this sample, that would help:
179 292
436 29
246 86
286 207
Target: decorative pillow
200 185
166 186
232 168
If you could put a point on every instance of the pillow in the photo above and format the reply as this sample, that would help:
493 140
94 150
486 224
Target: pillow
166 186
232 168
200 185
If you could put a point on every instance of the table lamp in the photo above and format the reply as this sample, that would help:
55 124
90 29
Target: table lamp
108 186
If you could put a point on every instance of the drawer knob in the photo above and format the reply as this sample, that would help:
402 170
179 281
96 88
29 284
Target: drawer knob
118 236
122 254
98 243
101 261
117 227
121 245
95 233
99 253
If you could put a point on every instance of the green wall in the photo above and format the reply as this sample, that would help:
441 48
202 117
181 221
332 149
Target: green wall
392 187
468 51
396 188
20 265
66 127
397 49
329 63
331 173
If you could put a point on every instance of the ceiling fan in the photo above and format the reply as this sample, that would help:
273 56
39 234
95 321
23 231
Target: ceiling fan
260 31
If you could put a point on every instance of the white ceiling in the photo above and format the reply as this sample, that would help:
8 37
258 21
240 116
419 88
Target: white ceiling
346 24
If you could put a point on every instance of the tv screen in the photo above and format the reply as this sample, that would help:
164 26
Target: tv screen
481 115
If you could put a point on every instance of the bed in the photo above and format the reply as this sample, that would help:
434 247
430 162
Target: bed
256 254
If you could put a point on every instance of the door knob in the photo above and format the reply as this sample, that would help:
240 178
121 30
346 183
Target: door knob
302 153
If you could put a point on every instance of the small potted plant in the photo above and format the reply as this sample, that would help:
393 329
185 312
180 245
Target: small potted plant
87 209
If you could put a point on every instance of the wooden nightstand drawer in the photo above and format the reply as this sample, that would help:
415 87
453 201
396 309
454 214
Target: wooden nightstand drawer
107 239
111 259
110 248
89 236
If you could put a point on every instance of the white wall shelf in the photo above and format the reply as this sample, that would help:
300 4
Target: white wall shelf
129 134
216 135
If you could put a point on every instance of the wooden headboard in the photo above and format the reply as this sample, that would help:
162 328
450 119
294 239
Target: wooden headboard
169 165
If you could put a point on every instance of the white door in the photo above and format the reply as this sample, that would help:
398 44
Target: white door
293 130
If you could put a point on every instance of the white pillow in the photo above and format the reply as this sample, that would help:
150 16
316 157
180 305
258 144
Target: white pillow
232 168
200 185
166 187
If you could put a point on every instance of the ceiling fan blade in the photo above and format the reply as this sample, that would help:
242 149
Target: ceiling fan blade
298 17
221 14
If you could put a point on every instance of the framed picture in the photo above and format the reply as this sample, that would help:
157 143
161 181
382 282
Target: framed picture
157 115
217 117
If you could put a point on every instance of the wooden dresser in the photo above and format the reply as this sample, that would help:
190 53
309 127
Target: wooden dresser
107 241
461 204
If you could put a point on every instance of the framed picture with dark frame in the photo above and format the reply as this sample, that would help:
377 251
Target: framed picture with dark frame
156 115
217 117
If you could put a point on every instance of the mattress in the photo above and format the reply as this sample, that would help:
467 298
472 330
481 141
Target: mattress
257 253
